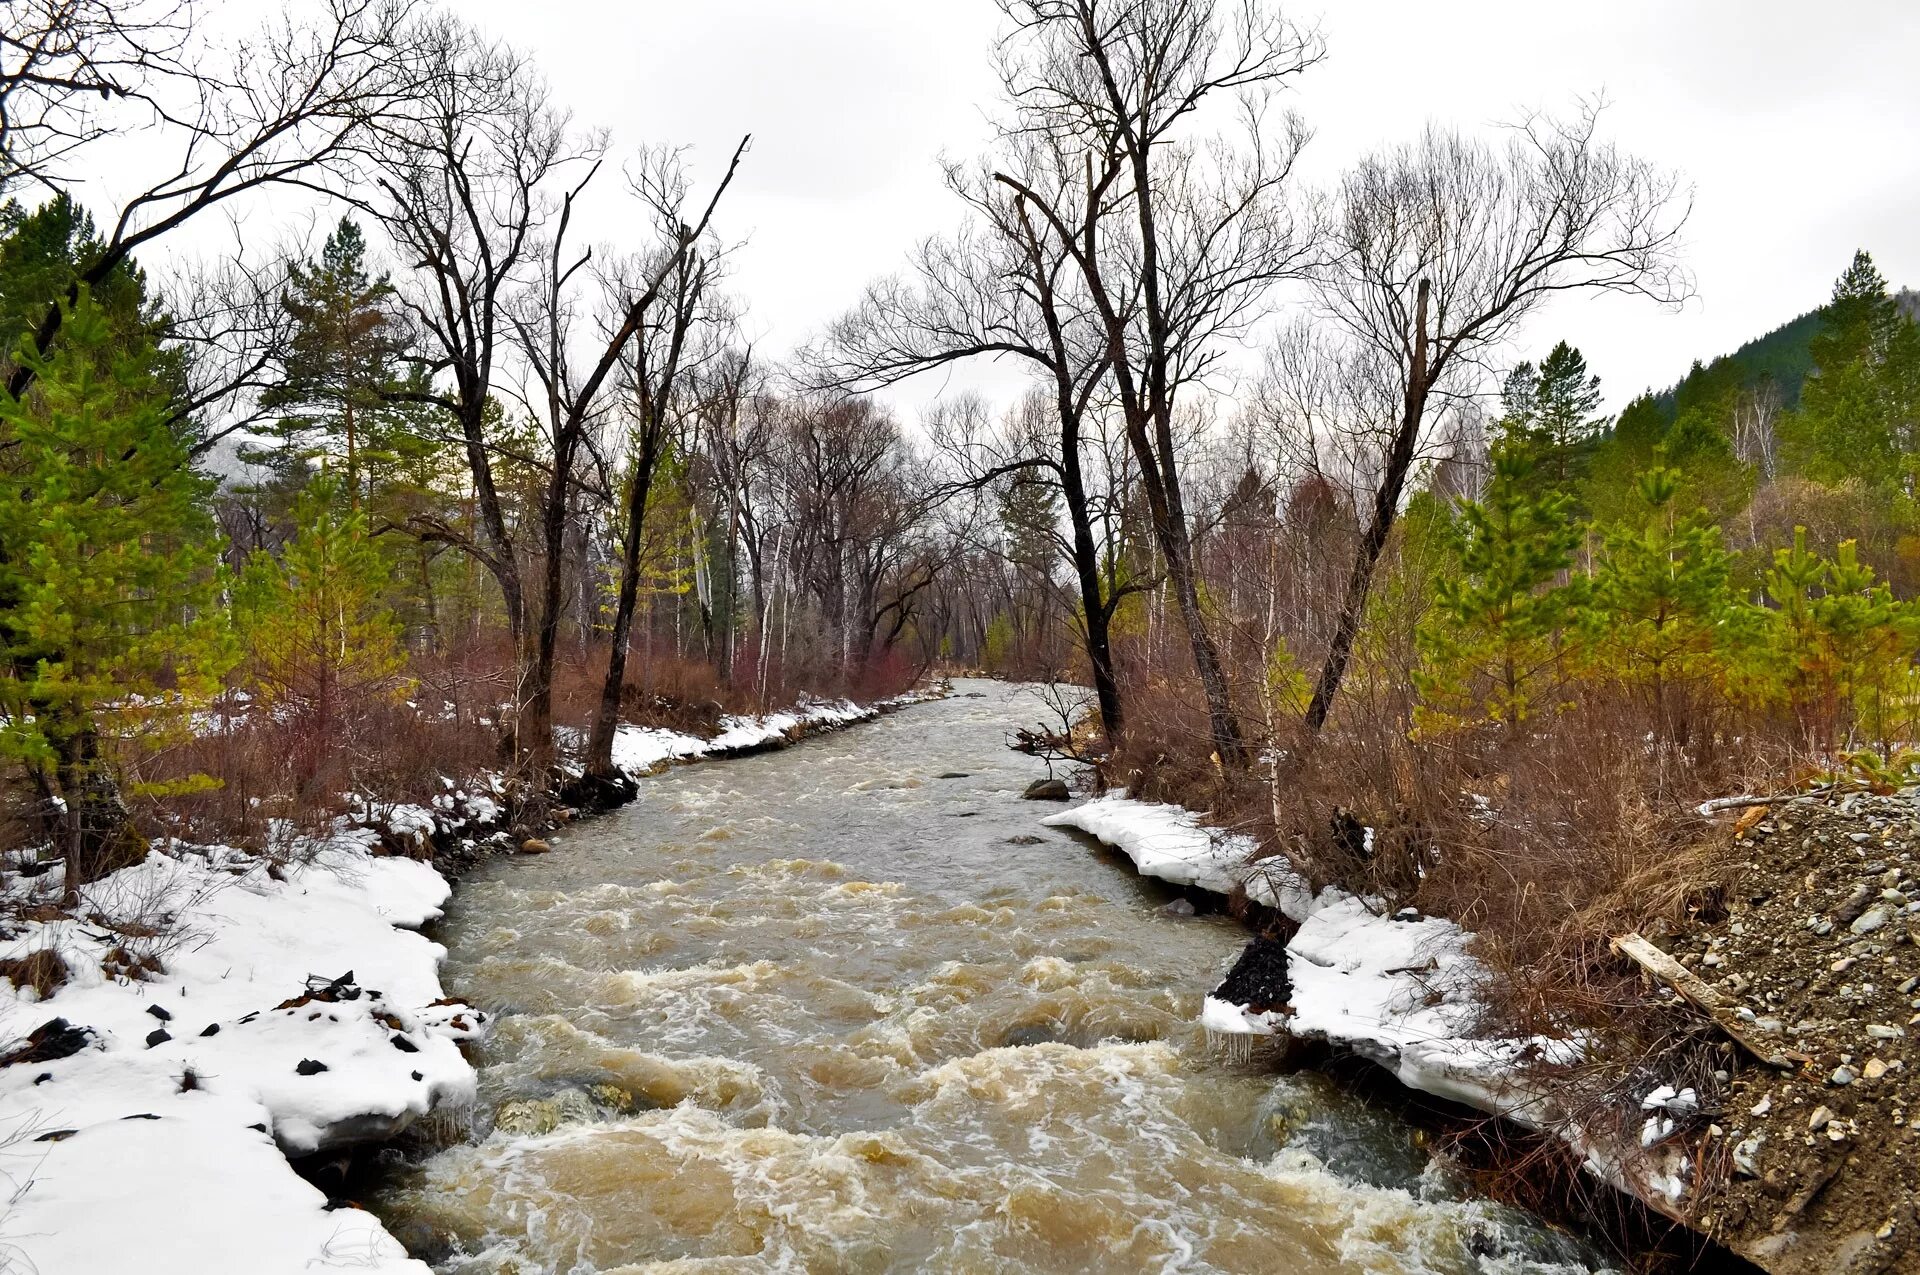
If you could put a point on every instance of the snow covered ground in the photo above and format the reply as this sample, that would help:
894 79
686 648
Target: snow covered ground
1400 989
641 750
236 1014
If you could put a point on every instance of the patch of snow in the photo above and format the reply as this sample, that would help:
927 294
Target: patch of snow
1224 1018
1171 844
158 1174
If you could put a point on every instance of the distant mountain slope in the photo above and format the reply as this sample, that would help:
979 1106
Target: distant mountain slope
1785 355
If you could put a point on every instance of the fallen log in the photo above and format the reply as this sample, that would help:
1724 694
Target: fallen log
1694 989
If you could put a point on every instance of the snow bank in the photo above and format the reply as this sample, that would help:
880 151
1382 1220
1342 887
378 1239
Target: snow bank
642 750
289 1016
1171 844
1401 990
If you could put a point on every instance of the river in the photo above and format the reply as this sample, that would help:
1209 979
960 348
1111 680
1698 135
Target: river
849 1007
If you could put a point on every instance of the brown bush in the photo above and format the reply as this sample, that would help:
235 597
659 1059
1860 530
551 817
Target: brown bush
42 970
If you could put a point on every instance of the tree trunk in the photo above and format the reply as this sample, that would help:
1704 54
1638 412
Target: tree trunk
1386 505
606 716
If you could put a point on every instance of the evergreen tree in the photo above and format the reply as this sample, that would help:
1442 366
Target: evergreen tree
1857 413
341 359
1661 594
1840 647
1551 412
1491 644
107 579
321 641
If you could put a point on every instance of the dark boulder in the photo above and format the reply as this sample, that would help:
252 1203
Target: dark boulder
1049 789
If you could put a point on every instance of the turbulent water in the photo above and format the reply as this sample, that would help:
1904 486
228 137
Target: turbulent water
848 1007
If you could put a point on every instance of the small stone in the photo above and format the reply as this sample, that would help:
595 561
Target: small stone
1762 1107
160 1013
1906 988
1822 1116
1871 920
1874 1069
1844 964
158 1036
1746 1155
534 845
308 1067
1880 1031
1053 789
211 1029
1855 904
1841 1076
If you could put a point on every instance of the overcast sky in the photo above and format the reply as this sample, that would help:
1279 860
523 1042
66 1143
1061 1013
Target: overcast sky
1795 123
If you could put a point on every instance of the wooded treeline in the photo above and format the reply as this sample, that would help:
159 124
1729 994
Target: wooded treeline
449 484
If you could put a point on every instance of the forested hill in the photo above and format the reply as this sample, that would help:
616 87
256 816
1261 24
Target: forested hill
1783 356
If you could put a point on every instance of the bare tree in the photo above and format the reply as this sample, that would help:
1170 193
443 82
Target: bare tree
1441 248
1005 286
1178 243
65 65
1756 419
465 191
664 312
296 106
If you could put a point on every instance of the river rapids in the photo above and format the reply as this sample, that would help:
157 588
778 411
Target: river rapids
848 1007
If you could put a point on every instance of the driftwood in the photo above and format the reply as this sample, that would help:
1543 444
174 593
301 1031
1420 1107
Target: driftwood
1691 986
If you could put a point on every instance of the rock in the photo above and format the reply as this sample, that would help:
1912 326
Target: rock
160 1013
1880 1031
1026 839
1822 1116
1874 1069
1031 1034
404 1045
1259 980
534 845
544 1115
1855 904
1841 1076
50 1041
953 774
1871 920
1179 907
308 1067
158 1036
1746 1155
1050 789
614 1098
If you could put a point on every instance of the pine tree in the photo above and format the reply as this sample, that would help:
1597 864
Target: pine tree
1550 412
321 641
1490 646
341 359
108 579
1661 595
1839 647
1856 413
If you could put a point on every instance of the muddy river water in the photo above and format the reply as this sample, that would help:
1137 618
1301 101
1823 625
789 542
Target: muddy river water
849 1007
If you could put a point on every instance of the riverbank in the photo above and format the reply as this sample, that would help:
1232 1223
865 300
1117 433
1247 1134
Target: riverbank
1806 1165
207 1014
